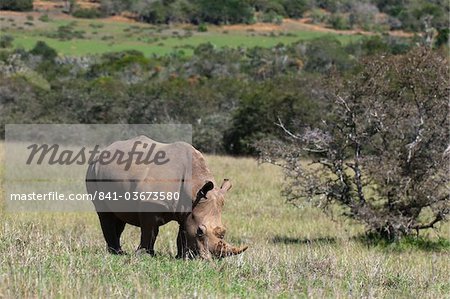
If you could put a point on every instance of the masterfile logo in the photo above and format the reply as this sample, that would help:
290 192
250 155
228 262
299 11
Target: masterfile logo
47 166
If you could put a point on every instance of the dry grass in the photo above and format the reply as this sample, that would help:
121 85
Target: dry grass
292 252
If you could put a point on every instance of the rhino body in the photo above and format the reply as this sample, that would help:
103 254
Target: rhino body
182 170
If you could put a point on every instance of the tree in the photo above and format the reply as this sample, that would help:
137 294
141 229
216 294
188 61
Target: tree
6 41
442 37
296 8
16 5
363 15
382 154
224 12
260 106
324 53
150 11
44 50
112 7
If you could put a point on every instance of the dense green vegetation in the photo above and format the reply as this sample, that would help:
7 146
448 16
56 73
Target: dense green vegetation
231 96
16 5
232 85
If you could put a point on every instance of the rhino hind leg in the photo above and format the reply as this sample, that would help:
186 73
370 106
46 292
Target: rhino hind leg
149 232
112 228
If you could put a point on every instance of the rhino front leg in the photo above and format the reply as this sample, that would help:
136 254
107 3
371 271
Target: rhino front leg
149 232
181 243
112 228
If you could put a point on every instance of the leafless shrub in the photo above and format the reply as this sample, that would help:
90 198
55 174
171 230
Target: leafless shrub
382 153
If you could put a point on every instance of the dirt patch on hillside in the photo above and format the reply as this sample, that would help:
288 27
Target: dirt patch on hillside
122 19
304 24
255 27
88 4
48 5
59 5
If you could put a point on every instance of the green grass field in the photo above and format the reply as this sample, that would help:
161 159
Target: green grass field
293 252
105 36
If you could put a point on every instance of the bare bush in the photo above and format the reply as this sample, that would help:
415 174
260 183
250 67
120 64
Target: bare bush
382 153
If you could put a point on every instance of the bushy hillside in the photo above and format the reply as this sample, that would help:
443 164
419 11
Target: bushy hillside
232 96
410 15
371 14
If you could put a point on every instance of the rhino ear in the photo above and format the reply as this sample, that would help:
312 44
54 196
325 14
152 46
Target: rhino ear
226 185
207 187
202 193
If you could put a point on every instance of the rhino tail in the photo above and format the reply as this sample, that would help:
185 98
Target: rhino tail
91 185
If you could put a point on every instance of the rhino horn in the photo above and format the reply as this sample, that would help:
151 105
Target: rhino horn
224 249
236 250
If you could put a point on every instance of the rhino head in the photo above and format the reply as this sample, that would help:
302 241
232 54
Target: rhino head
204 229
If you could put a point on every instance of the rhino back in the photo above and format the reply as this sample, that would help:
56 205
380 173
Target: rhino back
184 170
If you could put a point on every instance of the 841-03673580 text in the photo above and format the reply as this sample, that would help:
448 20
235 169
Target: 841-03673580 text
98 195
